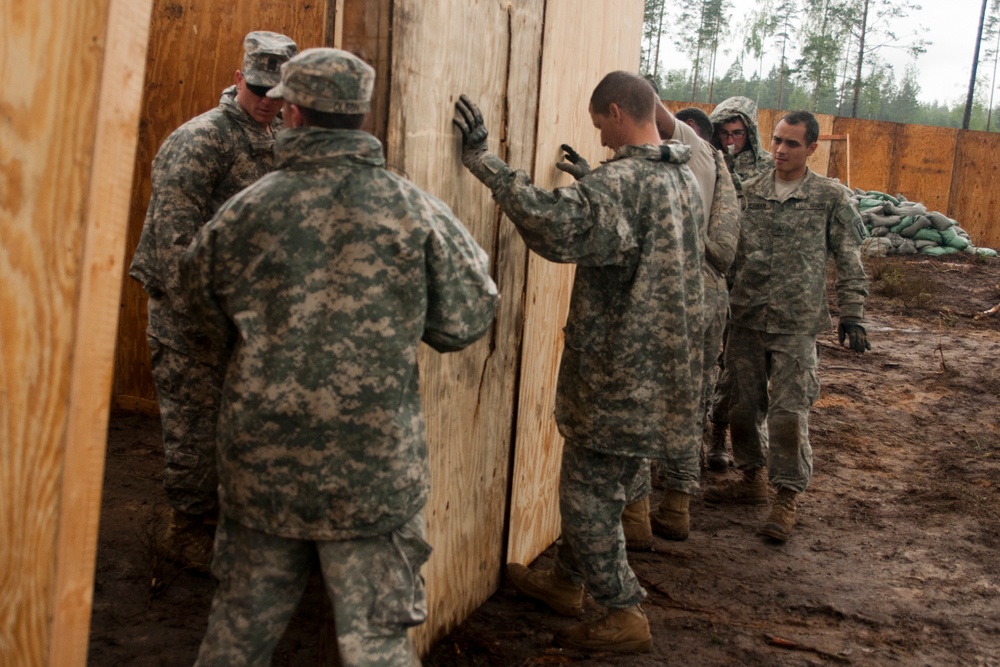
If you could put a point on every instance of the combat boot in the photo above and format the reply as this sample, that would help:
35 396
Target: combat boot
718 457
672 519
750 490
559 593
189 539
624 630
635 523
781 520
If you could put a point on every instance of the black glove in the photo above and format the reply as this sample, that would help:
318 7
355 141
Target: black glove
474 132
575 165
850 327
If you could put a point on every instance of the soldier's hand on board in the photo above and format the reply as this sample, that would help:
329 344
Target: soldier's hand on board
469 121
574 164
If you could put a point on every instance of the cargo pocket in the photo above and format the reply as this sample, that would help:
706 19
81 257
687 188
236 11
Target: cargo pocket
399 596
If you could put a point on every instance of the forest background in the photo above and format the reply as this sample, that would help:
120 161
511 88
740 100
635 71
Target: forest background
828 56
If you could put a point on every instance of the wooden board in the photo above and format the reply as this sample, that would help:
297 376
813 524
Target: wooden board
580 48
65 163
468 396
975 198
195 49
924 163
872 153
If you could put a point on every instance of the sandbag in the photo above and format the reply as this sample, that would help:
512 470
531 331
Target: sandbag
937 251
929 235
940 220
878 220
907 247
951 239
921 244
919 222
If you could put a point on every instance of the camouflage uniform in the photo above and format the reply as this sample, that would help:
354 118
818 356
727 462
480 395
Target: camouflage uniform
720 230
200 165
320 281
778 306
752 161
630 373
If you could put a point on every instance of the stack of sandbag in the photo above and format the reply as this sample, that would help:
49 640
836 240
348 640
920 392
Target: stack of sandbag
900 227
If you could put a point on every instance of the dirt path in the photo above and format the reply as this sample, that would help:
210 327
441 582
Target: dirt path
894 561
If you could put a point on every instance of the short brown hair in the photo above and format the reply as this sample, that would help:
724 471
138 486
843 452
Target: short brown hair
631 92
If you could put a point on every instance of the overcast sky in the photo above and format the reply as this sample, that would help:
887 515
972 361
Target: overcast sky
943 72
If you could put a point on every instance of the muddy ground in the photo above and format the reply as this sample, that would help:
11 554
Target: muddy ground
895 561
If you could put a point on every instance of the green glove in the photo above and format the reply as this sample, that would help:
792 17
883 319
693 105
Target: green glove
483 164
474 132
850 328
575 164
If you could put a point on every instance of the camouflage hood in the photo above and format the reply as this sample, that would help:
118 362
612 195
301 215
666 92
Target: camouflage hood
754 159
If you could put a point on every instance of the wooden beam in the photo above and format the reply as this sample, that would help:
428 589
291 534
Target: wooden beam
105 221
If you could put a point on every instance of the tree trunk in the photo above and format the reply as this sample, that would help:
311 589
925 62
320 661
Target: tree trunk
861 60
975 67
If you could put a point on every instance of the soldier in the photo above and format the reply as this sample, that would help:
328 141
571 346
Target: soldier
794 221
631 366
737 135
680 469
200 165
698 121
319 282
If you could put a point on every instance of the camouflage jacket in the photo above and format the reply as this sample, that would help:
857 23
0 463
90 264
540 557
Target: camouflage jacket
780 284
723 230
630 375
721 208
753 160
321 280
200 165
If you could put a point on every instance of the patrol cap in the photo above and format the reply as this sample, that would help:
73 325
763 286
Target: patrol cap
327 80
263 54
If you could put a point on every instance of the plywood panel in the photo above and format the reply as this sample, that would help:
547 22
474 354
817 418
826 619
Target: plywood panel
60 258
925 159
580 48
872 153
364 29
975 198
468 396
195 49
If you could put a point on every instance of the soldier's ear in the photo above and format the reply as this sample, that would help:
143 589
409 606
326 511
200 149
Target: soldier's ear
615 112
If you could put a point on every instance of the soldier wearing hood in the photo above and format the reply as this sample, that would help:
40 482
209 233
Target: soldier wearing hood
200 165
738 137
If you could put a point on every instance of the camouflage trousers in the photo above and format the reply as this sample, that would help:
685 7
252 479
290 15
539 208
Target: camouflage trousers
680 469
592 495
188 393
374 584
716 316
718 400
774 385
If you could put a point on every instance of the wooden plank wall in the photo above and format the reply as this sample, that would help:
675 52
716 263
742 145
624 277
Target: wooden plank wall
65 166
468 396
195 48
570 71
975 197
